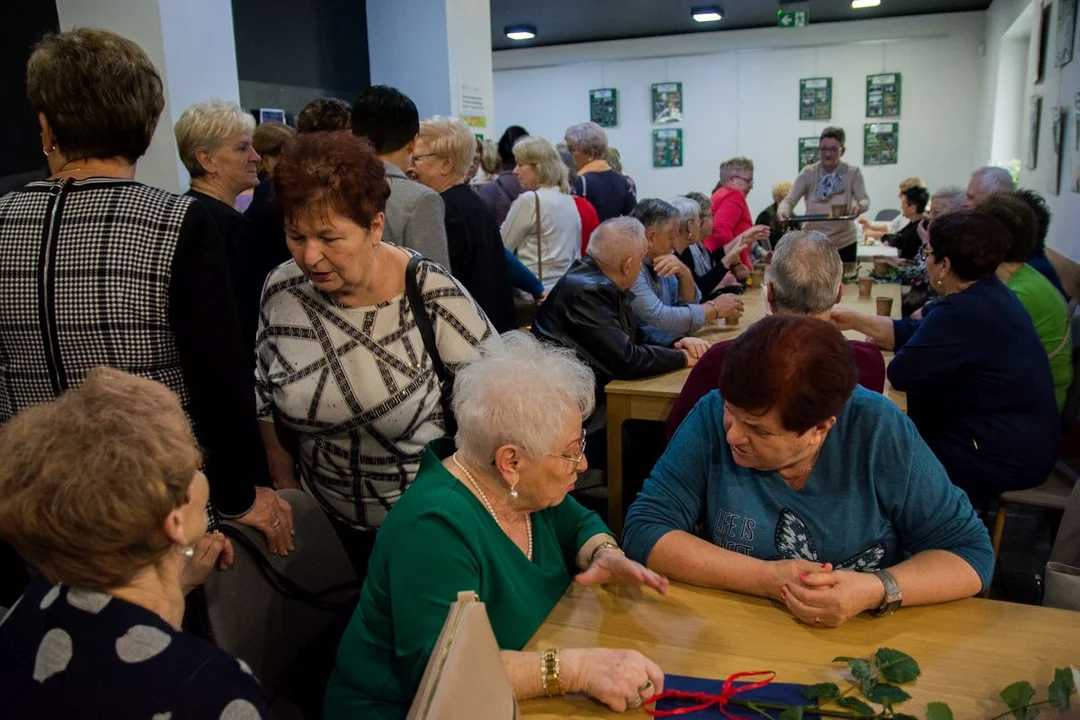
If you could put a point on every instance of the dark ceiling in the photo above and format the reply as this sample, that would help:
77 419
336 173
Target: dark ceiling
559 22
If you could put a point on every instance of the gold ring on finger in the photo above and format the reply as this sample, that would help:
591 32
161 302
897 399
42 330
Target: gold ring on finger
633 702
645 686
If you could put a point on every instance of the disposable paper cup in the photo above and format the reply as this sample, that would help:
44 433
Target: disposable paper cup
865 285
731 321
759 278
884 306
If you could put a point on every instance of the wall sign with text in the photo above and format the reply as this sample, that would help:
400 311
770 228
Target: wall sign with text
604 107
883 95
881 143
667 103
815 99
667 148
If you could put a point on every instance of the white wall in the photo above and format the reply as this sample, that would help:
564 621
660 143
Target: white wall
191 44
741 93
469 56
408 45
1058 88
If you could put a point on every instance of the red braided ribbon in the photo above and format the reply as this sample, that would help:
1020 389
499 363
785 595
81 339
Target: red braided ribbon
706 700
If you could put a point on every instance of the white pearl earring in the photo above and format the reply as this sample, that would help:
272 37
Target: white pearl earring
513 492
189 552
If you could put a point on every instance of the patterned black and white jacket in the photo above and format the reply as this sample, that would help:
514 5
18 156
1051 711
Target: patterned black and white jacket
113 272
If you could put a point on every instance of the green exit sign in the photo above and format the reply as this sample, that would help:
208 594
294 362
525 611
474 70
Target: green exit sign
799 18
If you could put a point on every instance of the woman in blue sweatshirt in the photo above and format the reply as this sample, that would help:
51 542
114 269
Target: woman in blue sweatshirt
791 475
976 374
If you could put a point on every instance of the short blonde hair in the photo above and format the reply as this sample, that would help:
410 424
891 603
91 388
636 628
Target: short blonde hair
87 480
489 157
540 154
729 168
780 191
911 182
204 126
450 137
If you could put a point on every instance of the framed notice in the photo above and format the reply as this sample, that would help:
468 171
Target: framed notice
880 143
808 151
883 95
1066 32
604 107
815 99
667 148
667 103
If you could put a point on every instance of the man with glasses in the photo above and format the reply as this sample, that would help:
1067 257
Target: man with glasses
733 226
833 188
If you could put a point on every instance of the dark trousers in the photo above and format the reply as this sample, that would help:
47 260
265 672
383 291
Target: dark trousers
358 546
850 253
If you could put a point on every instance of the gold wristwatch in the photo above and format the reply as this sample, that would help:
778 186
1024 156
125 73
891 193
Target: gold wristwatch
549 672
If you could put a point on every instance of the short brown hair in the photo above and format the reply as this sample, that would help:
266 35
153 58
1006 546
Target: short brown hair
99 91
974 242
835 133
338 171
1018 218
801 366
324 115
270 138
87 479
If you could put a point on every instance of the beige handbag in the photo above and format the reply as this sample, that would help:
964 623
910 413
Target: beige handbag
465 678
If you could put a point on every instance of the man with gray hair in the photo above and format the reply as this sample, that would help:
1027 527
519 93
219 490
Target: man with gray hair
588 311
665 294
805 278
987 181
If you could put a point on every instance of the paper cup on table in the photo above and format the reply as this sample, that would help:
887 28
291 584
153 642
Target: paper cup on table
759 278
884 306
731 321
865 286
880 267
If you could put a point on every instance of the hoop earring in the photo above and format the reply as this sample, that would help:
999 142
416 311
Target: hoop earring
48 151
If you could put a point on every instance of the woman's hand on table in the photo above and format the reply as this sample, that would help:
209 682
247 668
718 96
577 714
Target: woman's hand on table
831 599
693 348
611 567
621 679
777 574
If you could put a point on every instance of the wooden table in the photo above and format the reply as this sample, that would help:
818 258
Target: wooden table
652 398
968 650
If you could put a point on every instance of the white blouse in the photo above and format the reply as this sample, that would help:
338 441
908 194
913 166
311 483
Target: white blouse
560 227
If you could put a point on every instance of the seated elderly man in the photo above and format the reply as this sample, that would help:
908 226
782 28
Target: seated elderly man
588 311
790 476
987 181
805 278
665 294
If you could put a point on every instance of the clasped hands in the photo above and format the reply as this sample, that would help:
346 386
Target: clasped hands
818 594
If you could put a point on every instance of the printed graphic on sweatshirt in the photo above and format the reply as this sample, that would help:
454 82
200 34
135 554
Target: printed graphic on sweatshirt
795 542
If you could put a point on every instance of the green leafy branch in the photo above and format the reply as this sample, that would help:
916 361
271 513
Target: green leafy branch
1018 695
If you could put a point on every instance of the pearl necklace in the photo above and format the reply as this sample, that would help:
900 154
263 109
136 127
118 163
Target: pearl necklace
490 509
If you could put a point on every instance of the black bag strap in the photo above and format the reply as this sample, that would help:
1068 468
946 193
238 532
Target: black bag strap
318 599
427 334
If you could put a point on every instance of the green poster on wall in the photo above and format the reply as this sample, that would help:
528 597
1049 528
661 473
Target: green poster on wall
604 107
881 142
883 95
667 148
808 151
815 98
667 103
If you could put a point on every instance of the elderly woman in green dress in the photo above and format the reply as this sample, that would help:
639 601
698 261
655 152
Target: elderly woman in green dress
493 516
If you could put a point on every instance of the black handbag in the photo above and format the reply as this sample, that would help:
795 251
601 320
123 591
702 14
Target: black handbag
427 334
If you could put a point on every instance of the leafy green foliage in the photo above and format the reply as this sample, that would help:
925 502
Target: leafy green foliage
885 694
1062 687
792 713
938 711
895 666
854 703
821 693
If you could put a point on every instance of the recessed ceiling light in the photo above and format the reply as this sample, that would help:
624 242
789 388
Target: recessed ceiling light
520 32
860 4
712 13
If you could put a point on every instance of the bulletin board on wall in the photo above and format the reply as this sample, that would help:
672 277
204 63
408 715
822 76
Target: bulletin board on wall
604 107
883 95
815 99
881 143
667 148
667 103
808 151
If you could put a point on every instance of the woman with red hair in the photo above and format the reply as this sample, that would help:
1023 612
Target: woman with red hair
347 387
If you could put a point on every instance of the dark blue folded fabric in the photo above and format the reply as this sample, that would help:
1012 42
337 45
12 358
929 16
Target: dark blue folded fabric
773 692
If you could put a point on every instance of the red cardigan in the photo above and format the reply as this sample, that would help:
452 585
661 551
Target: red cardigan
705 377
731 217
590 220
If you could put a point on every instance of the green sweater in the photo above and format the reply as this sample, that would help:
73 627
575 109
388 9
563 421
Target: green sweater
439 540
1050 314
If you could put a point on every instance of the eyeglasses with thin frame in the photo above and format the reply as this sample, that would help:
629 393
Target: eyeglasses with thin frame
829 148
749 181
572 459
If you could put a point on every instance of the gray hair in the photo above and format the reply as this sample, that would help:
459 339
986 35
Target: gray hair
729 168
688 209
652 212
204 126
993 180
587 137
950 197
515 393
568 161
701 199
617 239
805 273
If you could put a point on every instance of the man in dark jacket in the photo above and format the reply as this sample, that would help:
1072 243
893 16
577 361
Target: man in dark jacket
588 311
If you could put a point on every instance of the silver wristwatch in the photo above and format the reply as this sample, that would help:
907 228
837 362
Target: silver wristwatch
893 597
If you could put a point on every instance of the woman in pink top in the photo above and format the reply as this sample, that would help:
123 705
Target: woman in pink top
731 214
